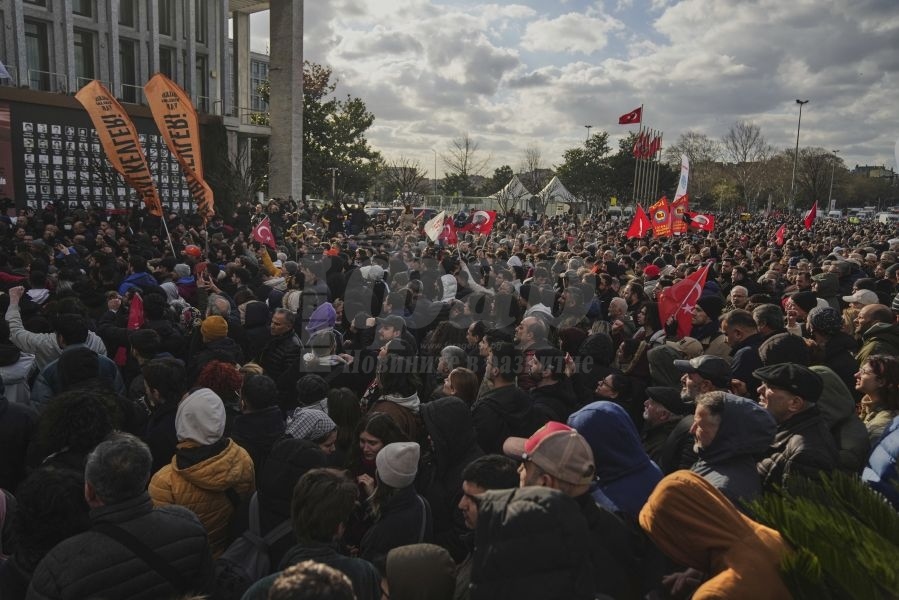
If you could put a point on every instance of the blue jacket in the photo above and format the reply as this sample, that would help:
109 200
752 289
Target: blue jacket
882 472
49 383
625 473
139 281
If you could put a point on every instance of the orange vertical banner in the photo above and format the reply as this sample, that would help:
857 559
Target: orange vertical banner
177 121
678 208
120 142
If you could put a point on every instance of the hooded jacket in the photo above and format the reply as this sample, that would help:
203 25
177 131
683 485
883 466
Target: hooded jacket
257 432
404 410
17 430
696 526
802 447
448 423
15 366
839 413
625 474
880 338
555 402
531 544
257 318
500 413
839 356
881 472
745 433
405 518
199 478
139 281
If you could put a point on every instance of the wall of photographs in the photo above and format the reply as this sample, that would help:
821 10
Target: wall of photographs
57 157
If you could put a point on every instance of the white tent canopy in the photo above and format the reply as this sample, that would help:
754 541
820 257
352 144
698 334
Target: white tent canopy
555 192
514 190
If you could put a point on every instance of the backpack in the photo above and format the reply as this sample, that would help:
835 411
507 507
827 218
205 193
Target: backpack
247 559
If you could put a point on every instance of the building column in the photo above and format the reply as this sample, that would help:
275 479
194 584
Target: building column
63 51
241 62
286 102
15 44
108 49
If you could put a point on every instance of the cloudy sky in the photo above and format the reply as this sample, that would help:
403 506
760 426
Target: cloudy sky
535 72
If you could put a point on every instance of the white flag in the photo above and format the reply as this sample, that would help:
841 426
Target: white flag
434 227
4 74
684 177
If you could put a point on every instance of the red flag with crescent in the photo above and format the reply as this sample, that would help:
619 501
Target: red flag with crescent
482 222
635 116
679 300
262 233
779 235
810 216
701 221
448 233
640 226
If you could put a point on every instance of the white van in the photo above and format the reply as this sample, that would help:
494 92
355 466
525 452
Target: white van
835 214
887 217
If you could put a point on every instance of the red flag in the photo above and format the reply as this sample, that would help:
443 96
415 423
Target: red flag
701 221
135 321
678 209
654 146
810 216
660 216
448 234
640 226
482 222
640 147
632 117
779 235
262 233
679 300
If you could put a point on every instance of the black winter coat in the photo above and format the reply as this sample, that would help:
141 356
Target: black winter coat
403 519
17 428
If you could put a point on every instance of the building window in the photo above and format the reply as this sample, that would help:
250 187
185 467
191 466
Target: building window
201 18
38 54
258 75
166 17
128 66
167 62
202 84
128 13
84 57
85 8
36 2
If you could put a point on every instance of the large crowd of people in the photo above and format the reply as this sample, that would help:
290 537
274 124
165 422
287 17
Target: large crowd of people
356 411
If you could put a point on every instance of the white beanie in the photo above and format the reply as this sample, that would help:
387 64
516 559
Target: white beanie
200 418
397 464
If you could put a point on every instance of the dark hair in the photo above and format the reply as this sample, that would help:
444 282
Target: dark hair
465 384
769 315
739 318
138 263
51 508
378 425
259 391
344 410
72 328
167 376
886 367
652 315
119 468
311 389
76 366
506 359
156 306
322 500
77 420
311 580
396 377
492 472
145 342
622 384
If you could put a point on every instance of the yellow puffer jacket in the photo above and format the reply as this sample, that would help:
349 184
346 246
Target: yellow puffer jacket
202 487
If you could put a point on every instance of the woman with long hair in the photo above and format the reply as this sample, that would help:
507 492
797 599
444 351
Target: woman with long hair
462 383
878 380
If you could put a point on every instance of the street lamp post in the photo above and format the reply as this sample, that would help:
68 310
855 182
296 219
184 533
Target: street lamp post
833 166
796 155
334 172
589 127
435 172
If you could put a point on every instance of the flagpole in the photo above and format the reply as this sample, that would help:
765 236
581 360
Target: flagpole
641 184
636 161
658 156
165 226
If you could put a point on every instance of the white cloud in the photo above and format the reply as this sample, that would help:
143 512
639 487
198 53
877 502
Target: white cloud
572 32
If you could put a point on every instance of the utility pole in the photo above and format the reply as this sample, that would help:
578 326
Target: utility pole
833 166
589 127
334 172
796 155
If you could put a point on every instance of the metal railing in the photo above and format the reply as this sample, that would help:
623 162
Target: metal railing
83 81
133 94
251 116
47 81
202 103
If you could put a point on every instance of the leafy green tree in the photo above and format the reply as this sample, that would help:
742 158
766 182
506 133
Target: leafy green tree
585 171
333 136
501 177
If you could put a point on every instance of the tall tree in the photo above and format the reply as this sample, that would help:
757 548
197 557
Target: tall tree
333 135
403 177
813 177
703 153
747 151
533 175
585 170
462 160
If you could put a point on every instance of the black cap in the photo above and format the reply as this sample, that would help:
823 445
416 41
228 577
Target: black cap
670 399
713 368
395 321
796 379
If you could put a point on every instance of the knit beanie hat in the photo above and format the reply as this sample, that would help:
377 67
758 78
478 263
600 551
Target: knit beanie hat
323 317
711 305
182 270
200 417
397 464
805 300
310 424
825 319
214 328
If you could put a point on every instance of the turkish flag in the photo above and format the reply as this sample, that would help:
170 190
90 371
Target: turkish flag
481 222
679 300
640 226
641 147
632 117
448 233
810 216
701 221
262 233
655 145
135 321
779 235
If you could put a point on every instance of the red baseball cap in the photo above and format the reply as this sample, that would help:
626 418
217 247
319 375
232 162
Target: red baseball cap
557 449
